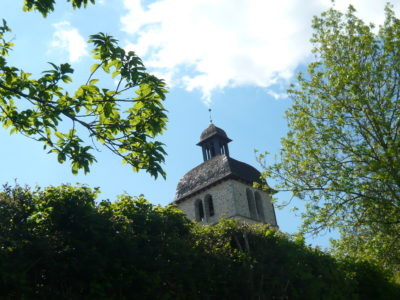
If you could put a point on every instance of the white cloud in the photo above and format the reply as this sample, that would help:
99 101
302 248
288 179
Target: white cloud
227 43
276 95
70 40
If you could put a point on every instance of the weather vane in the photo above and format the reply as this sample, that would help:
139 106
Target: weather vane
209 110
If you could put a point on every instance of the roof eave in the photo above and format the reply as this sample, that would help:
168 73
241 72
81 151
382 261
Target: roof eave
203 140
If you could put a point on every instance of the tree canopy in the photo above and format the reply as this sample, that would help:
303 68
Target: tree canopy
125 117
58 242
341 153
46 6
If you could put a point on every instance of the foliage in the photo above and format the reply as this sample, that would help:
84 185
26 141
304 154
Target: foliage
341 153
59 242
272 266
268 264
46 6
125 118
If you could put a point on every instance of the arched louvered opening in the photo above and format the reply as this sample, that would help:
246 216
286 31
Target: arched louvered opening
199 210
209 151
208 200
223 148
259 206
251 204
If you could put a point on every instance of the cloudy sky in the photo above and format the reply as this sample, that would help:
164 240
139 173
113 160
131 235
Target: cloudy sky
235 56
211 45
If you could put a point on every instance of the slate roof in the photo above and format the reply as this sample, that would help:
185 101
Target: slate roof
212 171
211 131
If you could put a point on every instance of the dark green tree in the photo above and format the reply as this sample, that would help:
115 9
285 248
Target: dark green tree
59 242
125 118
342 152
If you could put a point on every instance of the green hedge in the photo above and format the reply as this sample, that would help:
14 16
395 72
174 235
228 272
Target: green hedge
60 243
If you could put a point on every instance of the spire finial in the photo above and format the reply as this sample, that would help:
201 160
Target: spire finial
209 110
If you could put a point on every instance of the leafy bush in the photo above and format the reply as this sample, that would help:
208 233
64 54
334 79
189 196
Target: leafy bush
59 242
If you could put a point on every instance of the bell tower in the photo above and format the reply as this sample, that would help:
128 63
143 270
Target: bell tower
222 187
213 142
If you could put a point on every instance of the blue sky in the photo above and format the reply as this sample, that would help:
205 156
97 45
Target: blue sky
235 56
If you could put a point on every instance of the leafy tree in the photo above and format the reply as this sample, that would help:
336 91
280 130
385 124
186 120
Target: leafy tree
342 151
267 264
46 6
124 118
59 242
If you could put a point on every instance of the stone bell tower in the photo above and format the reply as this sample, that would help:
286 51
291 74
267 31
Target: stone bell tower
222 187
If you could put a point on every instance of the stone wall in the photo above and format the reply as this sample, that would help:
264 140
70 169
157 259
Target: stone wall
223 201
229 200
242 207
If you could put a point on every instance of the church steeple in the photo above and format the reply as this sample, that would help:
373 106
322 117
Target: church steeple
214 141
222 187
